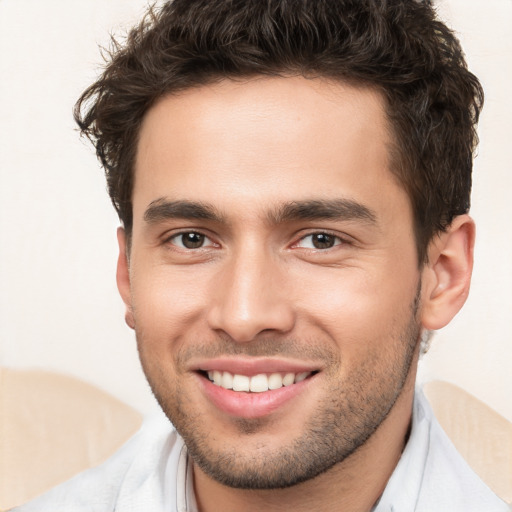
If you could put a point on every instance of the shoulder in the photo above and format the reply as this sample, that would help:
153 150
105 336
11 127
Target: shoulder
139 461
449 481
432 475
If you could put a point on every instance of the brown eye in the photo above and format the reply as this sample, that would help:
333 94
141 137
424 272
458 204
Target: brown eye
319 241
323 240
189 240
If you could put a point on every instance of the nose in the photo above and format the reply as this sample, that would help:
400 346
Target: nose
250 298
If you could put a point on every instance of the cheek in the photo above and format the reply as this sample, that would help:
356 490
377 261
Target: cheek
167 303
357 307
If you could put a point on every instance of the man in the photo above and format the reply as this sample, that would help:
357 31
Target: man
293 182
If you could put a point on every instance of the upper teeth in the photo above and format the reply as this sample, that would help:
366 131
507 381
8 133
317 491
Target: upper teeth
257 383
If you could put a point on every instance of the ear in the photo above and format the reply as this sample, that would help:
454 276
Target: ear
123 277
447 275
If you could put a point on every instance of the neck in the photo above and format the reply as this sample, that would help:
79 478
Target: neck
353 485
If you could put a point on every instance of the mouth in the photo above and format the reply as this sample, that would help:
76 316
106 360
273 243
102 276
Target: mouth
259 383
248 391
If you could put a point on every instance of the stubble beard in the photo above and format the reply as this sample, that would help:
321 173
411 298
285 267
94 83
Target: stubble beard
340 424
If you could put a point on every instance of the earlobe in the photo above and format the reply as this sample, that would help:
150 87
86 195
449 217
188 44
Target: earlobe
123 276
447 275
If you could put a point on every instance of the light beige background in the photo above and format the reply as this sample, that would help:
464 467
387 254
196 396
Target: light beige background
59 307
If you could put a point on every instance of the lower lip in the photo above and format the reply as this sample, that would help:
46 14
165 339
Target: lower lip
251 405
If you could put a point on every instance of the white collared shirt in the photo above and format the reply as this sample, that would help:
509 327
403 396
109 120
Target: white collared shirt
152 473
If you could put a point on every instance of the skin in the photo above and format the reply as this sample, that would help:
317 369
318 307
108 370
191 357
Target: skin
257 289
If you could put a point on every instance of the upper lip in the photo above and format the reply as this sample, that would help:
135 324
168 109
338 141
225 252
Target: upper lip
254 366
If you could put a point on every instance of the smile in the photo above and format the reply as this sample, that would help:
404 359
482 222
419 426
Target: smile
255 394
257 383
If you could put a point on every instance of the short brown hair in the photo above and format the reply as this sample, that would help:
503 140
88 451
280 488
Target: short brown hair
396 46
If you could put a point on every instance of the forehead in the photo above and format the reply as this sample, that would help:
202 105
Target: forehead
262 141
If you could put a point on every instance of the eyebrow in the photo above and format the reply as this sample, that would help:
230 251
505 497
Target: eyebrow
316 209
323 209
163 209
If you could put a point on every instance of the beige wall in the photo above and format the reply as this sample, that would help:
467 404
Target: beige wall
58 302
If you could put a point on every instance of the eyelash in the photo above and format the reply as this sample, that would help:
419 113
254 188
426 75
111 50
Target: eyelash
336 239
181 234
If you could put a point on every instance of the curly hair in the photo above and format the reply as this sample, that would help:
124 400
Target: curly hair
398 47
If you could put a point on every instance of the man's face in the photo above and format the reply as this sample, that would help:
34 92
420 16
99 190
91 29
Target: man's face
272 250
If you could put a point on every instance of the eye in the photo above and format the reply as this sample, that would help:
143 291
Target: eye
190 240
319 241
